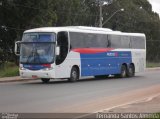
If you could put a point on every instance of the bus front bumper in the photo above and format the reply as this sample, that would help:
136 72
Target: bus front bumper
36 74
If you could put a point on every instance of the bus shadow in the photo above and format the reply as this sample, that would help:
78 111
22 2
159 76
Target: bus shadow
38 82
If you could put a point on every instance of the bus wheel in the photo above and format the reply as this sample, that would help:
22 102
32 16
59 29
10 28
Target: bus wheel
123 72
45 80
131 70
74 76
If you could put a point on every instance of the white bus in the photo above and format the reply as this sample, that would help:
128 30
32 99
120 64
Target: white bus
73 52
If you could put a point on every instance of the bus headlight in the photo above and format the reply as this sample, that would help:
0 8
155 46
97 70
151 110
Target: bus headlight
22 68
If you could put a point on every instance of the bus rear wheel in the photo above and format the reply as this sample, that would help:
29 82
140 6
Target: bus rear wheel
74 76
131 71
45 80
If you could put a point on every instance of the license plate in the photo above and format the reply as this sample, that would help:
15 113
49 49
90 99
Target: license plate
34 76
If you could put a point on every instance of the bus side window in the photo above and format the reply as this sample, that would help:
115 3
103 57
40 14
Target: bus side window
108 42
138 42
62 42
125 42
115 41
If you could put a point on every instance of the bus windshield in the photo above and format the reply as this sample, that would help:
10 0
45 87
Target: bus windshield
37 48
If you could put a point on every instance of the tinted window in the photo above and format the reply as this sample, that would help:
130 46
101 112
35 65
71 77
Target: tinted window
77 40
38 37
125 42
88 40
120 41
138 42
102 40
62 42
115 41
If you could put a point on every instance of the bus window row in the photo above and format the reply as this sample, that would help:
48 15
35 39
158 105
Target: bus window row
89 40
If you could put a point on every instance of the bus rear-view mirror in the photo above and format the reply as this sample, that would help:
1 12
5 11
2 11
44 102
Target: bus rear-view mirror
17 48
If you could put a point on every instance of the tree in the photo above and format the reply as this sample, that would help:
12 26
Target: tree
17 16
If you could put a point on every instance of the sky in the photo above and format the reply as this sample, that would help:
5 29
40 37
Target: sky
155 5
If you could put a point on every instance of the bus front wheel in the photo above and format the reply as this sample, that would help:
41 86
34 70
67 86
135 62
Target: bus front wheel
45 80
74 76
123 71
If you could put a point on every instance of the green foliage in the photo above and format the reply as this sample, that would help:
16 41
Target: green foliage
137 17
17 16
9 69
153 64
154 116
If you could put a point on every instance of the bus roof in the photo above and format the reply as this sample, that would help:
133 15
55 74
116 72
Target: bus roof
83 29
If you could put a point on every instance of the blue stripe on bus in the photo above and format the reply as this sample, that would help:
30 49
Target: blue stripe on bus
104 63
35 67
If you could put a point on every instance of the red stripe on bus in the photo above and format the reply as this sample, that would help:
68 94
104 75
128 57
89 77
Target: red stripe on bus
92 50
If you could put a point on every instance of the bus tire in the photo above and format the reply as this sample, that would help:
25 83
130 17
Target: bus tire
131 71
123 73
74 76
45 80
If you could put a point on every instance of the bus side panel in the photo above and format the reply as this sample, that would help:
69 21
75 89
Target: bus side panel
63 70
104 63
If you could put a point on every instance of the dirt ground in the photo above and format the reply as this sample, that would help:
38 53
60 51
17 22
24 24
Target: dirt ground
149 105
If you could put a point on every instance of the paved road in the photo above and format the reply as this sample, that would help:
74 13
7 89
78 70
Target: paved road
33 96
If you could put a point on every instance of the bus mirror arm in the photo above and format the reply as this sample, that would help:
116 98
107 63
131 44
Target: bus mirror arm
57 50
16 48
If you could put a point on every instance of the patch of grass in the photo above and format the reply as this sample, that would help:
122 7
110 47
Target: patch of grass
152 64
154 116
9 70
